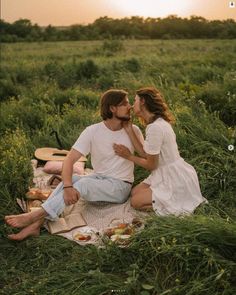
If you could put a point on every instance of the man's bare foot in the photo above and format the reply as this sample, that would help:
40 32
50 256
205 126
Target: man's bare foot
31 230
25 219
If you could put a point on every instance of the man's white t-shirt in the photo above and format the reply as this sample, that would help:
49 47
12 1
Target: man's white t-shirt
98 140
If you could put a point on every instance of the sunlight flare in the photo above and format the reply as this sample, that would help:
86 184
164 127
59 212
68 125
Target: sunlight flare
153 8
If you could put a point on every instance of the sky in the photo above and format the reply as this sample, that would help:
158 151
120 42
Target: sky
68 12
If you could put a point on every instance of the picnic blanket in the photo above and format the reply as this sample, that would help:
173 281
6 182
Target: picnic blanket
99 216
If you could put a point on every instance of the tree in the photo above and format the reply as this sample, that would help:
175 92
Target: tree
21 28
50 33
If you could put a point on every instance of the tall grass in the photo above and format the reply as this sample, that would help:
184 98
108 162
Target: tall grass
47 87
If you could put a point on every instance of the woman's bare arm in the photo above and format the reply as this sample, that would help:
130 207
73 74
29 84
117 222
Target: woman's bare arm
149 163
136 141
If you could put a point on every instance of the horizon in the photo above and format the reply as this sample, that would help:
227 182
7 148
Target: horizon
102 16
63 13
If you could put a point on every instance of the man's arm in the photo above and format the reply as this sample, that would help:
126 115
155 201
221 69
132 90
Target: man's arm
71 195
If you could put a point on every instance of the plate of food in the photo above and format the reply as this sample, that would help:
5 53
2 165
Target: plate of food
35 193
85 235
122 232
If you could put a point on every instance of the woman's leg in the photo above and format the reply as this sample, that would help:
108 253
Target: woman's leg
141 197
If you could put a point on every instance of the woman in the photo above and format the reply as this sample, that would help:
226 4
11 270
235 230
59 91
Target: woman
172 187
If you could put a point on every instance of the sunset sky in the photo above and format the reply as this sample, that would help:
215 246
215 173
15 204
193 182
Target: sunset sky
67 12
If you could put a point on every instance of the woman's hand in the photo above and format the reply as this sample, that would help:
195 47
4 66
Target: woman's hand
128 126
122 151
71 196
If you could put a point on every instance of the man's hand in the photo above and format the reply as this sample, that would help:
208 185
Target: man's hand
122 151
71 196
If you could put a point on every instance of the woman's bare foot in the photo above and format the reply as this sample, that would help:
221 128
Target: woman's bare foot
30 230
25 219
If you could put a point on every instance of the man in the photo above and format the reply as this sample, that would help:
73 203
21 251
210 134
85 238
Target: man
113 175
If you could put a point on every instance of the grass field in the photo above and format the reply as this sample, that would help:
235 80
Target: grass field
46 86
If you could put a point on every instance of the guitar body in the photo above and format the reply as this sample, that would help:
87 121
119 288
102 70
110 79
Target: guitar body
53 154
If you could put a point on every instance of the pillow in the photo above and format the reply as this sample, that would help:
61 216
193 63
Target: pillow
78 168
55 167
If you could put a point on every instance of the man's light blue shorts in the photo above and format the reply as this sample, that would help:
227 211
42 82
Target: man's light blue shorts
92 188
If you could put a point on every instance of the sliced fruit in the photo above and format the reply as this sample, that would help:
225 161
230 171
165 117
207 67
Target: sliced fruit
122 225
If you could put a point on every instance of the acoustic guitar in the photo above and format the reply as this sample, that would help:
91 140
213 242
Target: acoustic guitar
53 154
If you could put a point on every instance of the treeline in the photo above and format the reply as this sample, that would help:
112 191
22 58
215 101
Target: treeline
171 27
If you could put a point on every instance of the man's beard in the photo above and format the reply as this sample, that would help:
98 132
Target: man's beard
124 119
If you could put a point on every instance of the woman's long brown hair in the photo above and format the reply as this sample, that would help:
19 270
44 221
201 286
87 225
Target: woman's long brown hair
155 104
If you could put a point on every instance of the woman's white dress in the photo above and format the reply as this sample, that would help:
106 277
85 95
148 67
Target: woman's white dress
174 184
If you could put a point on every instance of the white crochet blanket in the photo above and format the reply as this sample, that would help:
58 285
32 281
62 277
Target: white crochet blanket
98 215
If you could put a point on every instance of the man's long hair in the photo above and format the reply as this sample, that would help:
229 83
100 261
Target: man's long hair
112 97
